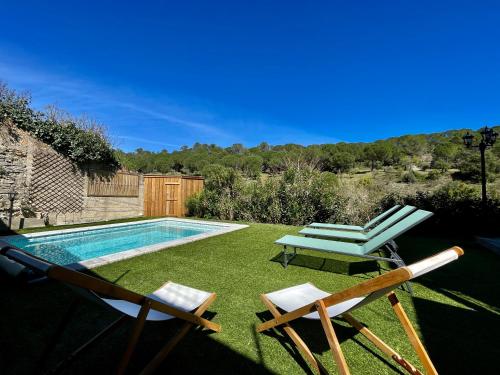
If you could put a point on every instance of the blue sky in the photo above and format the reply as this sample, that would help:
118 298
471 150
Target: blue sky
166 74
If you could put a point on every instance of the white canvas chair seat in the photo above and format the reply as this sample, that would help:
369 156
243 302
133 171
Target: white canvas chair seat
307 301
175 295
295 297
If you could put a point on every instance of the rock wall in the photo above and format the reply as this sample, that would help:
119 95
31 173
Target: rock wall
50 186
16 150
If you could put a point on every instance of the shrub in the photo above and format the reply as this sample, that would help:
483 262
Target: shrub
297 196
457 208
408 177
433 175
302 195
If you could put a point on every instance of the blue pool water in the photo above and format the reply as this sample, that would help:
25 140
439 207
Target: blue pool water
86 244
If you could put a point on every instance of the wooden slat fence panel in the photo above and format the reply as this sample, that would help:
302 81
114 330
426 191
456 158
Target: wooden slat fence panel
120 184
167 195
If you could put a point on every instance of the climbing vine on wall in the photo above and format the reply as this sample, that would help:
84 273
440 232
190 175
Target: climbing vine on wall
80 140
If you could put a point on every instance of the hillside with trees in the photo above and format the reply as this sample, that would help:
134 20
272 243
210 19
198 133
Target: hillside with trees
440 152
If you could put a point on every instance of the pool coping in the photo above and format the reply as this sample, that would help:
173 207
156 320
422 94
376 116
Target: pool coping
127 254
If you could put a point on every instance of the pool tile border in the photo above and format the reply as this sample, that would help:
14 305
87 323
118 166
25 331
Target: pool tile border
110 258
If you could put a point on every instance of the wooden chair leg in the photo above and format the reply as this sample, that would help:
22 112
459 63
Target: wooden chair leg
386 349
412 334
134 337
332 338
172 343
301 345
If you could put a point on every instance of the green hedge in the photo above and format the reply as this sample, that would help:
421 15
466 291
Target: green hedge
300 196
457 209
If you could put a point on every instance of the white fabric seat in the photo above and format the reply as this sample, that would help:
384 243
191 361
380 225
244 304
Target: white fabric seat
292 298
176 295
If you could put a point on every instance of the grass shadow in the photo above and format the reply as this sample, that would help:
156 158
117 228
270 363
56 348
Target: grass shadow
5 230
313 335
50 300
330 265
459 340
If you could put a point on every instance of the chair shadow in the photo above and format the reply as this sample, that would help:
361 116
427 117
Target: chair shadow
313 335
23 343
459 340
5 230
330 264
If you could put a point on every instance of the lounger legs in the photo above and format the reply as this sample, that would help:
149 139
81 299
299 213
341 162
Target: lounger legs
393 250
286 259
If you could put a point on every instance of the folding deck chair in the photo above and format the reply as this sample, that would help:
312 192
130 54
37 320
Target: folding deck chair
356 228
359 235
307 301
363 250
170 301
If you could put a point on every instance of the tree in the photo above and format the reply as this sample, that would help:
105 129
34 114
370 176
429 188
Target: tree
232 161
218 177
340 162
379 152
252 166
237 148
264 147
469 165
443 155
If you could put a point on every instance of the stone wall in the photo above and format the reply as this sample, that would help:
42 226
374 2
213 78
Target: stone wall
50 186
16 150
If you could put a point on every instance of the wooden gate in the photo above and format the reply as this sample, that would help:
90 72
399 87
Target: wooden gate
167 195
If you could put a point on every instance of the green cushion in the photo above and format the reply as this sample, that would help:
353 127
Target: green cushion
321 245
359 236
357 228
336 226
328 234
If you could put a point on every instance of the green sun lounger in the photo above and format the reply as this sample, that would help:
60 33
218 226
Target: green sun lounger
356 228
359 236
364 250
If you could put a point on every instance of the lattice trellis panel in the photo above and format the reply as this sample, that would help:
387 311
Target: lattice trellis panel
56 184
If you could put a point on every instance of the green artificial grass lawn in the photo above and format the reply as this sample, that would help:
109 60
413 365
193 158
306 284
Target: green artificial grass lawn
455 310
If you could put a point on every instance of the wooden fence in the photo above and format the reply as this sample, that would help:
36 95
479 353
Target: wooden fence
120 184
167 195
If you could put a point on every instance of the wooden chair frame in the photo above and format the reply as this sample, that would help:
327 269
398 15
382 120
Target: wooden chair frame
392 278
105 288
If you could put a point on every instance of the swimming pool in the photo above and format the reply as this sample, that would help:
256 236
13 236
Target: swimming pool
97 245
